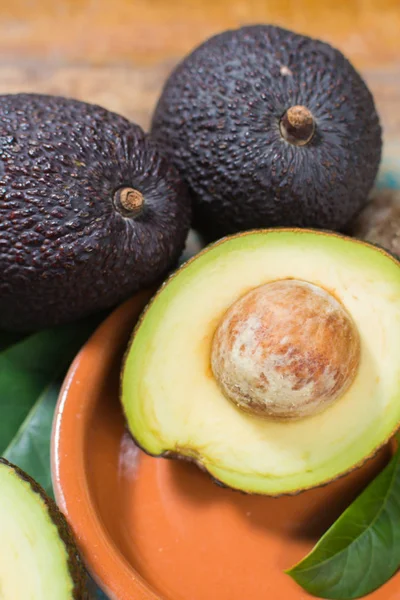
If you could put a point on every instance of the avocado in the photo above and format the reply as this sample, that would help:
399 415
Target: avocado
269 129
90 211
379 221
271 360
39 559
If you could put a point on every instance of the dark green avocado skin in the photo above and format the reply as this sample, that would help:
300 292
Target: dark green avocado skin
218 120
65 251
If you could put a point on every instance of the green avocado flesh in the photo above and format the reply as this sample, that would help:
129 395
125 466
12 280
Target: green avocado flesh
33 558
174 405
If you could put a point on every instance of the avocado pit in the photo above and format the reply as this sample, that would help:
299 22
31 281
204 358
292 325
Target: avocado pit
285 350
297 125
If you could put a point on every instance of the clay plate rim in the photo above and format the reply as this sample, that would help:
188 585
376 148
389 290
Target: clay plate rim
109 568
107 565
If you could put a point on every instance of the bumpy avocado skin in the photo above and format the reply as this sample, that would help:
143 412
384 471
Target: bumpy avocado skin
218 120
65 251
75 564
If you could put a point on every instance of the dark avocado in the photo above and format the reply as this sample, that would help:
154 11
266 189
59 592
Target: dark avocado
379 222
37 542
269 128
90 211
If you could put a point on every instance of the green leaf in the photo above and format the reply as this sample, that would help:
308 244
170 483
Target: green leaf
30 448
361 551
31 371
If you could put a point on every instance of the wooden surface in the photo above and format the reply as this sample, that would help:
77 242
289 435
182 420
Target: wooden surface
118 52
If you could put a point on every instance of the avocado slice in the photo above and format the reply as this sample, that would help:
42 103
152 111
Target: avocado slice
269 128
38 558
90 211
271 359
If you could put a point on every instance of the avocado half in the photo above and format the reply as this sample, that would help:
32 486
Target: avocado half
271 360
269 128
38 558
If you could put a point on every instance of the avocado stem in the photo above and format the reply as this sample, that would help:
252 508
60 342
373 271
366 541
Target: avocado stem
128 201
297 126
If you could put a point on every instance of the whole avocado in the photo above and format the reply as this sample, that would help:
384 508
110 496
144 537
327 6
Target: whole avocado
90 211
269 128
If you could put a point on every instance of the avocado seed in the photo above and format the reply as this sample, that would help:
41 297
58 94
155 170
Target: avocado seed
286 349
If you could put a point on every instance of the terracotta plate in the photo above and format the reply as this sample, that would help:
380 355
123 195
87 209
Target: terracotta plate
161 529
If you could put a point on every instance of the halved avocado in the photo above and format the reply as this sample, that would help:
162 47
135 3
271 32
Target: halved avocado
271 359
38 556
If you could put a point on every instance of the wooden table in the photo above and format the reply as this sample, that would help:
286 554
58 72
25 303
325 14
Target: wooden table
118 52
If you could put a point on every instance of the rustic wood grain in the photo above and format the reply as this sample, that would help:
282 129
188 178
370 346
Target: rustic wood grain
118 53
152 30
